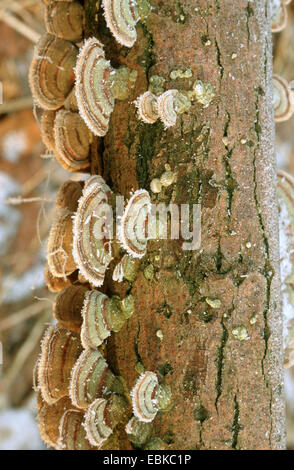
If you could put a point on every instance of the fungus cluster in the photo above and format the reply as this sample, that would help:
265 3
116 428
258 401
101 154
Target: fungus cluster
80 400
165 107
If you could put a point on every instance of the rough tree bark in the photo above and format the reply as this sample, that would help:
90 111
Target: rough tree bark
227 393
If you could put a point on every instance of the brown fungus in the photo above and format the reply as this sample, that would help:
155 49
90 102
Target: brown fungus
102 417
148 397
91 243
60 350
72 141
101 315
65 19
49 417
55 284
279 15
98 85
51 73
170 104
68 306
47 129
147 107
72 434
283 99
68 195
132 228
59 248
91 378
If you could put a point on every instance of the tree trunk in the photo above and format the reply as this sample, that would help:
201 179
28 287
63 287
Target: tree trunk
224 364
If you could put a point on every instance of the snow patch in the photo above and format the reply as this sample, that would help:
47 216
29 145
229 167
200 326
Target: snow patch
14 144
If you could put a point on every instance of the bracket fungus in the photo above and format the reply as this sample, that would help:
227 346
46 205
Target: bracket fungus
279 15
72 434
55 284
65 19
59 248
47 129
132 229
121 18
148 397
68 195
91 242
51 73
49 417
147 107
170 104
102 417
91 378
126 269
101 315
283 99
60 350
72 141
138 432
98 85
68 306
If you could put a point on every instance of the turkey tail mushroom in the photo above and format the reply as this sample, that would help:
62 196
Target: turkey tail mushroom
283 99
60 350
98 84
51 73
91 242
65 19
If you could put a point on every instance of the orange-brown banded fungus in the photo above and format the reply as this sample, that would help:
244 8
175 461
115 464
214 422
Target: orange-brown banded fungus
283 99
68 307
148 397
65 19
60 350
52 71
101 315
132 228
59 248
72 434
72 141
91 243
102 417
91 378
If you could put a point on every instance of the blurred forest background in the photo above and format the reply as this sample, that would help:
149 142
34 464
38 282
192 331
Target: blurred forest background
29 180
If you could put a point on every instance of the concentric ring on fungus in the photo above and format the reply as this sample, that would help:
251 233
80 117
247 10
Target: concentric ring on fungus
68 306
166 108
91 378
280 16
72 141
92 253
147 107
51 73
121 18
72 434
148 397
93 92
49 417
102 315
133 226
60 350
283 99
59 248
65 19
102 417
144 405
